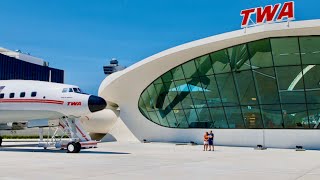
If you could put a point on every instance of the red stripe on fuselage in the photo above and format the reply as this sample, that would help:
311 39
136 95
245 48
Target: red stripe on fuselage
47 101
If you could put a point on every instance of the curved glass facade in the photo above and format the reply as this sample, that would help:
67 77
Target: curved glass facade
270 83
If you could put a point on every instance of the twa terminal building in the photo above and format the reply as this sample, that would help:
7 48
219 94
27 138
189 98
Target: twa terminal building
254 86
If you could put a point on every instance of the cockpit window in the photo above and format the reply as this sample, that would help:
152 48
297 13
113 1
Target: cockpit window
77 90
65 90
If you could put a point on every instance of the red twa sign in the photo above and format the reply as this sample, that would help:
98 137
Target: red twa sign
268 14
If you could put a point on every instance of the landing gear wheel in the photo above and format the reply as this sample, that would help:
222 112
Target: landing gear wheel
0 141
78 147
72 147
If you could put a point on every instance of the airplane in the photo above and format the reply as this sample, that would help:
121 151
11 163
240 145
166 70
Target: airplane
60 104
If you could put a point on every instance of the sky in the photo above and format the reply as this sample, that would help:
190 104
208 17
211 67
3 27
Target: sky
81 36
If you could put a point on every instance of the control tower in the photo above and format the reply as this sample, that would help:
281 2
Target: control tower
112 67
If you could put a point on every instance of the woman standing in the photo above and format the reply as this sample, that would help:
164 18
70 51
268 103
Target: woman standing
205 141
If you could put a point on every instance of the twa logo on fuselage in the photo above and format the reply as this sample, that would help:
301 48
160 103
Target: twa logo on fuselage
74 103
268 14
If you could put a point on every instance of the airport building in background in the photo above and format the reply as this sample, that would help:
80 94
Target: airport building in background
18 65
258 85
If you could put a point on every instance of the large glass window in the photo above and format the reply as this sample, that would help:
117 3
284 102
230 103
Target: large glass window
147 101
220 61
314 115
267 90
167 77
171 118
184 94
177 73
272 116
310 49
234 117
154 117
153 97
290 84
295 116
196 91
252 117
190 70
211 91
205 120
162 116
312 83
246 88
204 65
192 118
260 54
218 118
162 101
143 108
285 51
239 58
173 96
227 89
165 106
266 83
158 81
181 119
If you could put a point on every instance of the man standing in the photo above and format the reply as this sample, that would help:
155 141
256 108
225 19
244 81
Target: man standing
211 136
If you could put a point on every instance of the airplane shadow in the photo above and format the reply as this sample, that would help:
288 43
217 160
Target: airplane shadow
13 148
19 145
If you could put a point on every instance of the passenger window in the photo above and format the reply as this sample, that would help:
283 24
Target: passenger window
23 94
1 96
65 90
11 95
70 90
33 94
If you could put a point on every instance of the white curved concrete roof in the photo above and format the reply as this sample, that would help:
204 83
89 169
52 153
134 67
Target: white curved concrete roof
132 81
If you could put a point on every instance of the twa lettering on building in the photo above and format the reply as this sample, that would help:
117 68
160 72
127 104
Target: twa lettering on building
268 14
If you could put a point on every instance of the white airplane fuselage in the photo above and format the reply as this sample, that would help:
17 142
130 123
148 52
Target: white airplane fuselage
23 100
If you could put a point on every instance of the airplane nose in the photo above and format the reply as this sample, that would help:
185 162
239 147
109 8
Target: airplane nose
96 103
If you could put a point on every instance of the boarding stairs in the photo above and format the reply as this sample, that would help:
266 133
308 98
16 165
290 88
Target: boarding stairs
61 128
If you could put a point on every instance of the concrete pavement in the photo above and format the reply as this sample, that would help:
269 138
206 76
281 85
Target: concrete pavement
113 160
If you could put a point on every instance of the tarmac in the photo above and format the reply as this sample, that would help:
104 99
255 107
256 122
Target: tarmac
114 160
